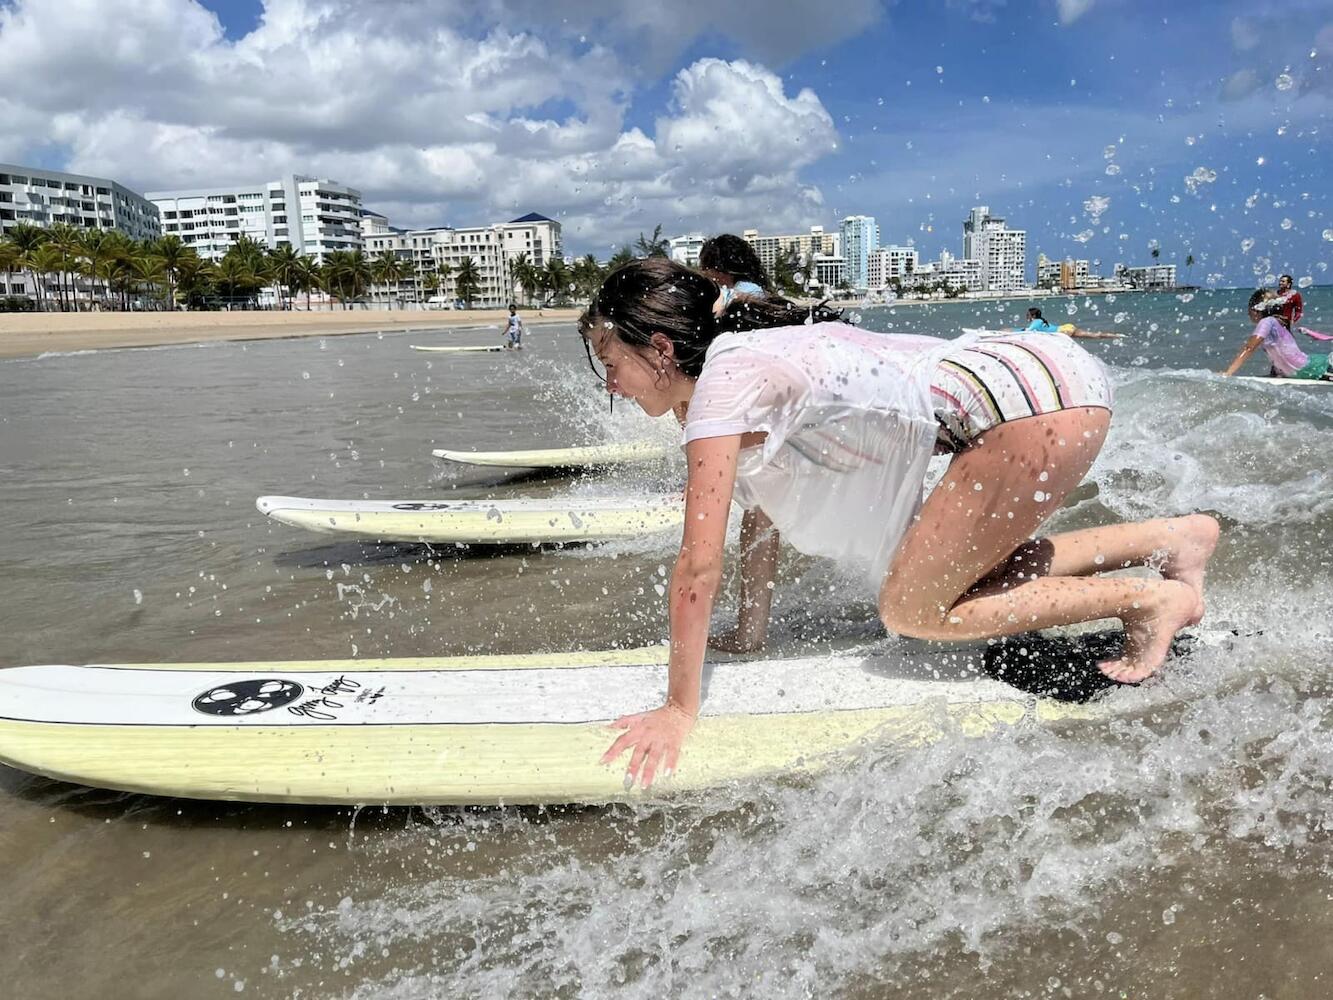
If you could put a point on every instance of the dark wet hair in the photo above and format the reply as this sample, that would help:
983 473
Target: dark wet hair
1256 298
734 256
657 295
1035 313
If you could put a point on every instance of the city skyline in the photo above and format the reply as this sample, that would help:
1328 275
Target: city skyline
1054 111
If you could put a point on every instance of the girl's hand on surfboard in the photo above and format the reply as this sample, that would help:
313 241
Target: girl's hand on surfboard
656 737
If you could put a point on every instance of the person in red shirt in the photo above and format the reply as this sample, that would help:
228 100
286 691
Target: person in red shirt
1288 306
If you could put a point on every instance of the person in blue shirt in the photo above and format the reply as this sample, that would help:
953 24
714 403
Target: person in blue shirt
732 263
1039 324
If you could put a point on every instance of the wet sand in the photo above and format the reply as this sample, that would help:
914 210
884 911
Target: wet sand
32 334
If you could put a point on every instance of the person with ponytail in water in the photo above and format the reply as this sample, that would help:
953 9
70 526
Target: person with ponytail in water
829 429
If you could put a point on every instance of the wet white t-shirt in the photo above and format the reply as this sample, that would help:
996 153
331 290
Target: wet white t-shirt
850 427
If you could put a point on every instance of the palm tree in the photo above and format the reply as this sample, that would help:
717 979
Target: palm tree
1189 267
96 251
28 238
619 259
68 240
1156 251
431 284
388 269
10 255
194 279
235 278
588 275
45 260
307 276
172 252
516 267
653 246
467 281
152 271
282 262
555 278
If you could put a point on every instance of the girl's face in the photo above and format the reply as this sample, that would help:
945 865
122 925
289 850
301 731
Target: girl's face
643 374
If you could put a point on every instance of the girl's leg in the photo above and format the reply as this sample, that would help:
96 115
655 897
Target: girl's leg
991 500
1177 547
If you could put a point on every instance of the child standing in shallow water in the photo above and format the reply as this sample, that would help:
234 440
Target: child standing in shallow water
828 430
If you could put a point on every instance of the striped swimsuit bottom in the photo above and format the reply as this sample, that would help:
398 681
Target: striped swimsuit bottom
1008 378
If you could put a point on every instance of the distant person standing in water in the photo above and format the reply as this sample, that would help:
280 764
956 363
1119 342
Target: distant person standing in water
514 331
1038 324
1287 305
1285 356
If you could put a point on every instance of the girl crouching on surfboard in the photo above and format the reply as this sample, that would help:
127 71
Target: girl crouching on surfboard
1285 357
828 429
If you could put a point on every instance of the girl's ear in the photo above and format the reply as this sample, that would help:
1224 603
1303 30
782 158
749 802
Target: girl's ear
663 344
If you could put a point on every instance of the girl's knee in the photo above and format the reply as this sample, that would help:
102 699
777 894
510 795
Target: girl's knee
915 619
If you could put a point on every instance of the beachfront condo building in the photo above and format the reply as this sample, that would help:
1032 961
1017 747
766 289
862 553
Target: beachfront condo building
806 245
1067 275
494 251
860 238
888 263
1149 278
948 275
685 249
314 215
46 197
1001 251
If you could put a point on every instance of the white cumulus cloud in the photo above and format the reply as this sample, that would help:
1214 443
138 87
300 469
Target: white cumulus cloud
439 113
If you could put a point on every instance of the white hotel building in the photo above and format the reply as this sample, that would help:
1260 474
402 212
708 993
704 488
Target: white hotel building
44 198
314 215
493 250
1002 252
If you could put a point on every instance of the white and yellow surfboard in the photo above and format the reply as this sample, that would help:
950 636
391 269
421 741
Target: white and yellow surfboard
482 522
486 729
591 456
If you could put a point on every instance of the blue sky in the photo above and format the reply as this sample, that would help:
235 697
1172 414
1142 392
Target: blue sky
1100 126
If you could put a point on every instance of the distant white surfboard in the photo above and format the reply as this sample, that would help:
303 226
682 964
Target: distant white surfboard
592 456
458 350
480 522
1300 383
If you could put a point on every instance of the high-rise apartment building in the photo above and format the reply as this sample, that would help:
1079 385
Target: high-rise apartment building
46 197
314 215
860 238
1001 251
806 245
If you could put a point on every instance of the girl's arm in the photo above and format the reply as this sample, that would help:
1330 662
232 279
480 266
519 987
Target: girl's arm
759 566
1095 335
657 736
1250 347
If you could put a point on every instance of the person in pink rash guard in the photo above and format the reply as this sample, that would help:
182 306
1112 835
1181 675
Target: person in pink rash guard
1285 356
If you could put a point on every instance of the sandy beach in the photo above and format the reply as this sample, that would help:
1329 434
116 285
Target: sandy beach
31 334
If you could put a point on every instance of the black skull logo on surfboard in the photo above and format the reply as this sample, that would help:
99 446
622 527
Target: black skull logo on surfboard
248 697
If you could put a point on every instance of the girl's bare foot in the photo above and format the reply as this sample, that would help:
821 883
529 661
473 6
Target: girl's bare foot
1164 609
1193 539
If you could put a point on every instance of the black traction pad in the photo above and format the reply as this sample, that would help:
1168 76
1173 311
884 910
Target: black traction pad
1063 667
